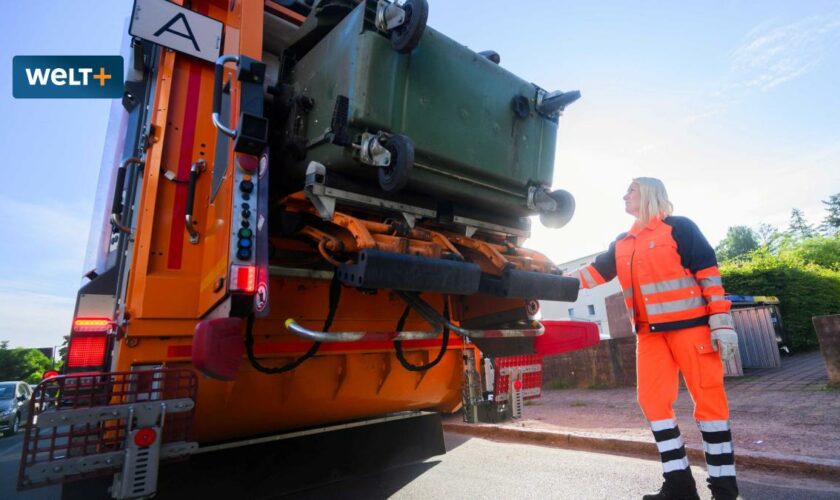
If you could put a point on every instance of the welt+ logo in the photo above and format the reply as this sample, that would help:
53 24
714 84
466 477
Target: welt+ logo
67 77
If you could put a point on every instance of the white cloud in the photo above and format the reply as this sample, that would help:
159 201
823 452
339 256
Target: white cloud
772 55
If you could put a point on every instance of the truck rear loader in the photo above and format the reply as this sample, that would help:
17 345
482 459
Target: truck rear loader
315 223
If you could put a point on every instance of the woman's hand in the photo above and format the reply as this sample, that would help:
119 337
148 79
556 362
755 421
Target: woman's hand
724 338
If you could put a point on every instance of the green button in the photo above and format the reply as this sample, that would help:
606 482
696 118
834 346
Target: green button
245 233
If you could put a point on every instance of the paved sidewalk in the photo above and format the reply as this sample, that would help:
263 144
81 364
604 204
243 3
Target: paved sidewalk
782 419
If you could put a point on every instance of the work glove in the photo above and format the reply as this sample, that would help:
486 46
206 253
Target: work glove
724 338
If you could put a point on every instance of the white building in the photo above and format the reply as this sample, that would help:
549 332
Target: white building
603 305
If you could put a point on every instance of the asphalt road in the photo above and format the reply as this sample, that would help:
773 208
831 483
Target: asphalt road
10 448
476 468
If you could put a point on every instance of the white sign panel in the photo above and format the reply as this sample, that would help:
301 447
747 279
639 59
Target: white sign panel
177 28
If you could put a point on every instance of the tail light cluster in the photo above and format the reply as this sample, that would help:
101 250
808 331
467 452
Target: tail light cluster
89 342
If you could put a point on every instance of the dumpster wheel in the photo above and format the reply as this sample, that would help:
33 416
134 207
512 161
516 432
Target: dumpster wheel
406 36
394 176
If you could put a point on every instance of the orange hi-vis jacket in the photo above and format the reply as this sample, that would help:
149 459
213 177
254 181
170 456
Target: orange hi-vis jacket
668 274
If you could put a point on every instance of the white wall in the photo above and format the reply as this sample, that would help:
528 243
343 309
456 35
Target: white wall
596 297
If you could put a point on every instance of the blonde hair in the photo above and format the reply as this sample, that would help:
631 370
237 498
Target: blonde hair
653 199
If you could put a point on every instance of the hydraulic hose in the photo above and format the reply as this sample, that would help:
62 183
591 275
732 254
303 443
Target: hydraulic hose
444 343
334 298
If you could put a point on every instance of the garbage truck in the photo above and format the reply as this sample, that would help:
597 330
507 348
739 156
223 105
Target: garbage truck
311 224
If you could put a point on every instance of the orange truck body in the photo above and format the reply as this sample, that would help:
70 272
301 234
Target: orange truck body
170 281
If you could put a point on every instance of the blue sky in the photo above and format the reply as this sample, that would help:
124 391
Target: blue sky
733 104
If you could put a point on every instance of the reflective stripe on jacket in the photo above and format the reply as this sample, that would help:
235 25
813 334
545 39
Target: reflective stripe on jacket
673 269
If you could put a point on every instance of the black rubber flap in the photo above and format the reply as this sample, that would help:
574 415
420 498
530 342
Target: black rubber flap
376 269
530 285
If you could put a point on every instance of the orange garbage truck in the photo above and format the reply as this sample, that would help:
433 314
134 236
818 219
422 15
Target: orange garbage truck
314 225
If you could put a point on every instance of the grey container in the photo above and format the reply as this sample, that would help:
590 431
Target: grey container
756 337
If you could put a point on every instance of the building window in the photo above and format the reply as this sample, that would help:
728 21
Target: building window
591 309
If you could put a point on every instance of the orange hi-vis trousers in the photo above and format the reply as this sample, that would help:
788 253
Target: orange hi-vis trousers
660 357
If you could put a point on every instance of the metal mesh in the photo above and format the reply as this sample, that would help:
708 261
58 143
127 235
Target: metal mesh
52 444
529 368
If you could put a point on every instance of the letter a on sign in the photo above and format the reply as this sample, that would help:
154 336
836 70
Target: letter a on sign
177 28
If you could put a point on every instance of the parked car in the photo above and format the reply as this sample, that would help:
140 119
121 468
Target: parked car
14 406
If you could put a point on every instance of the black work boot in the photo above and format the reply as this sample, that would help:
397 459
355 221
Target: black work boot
723 488
678 485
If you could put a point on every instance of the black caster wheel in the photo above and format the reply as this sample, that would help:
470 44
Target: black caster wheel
563 214
406 36
395 176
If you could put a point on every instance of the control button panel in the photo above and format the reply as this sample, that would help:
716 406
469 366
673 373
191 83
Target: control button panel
245 198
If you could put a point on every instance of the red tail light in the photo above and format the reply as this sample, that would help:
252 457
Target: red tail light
88 342
243 278
86 351
91 325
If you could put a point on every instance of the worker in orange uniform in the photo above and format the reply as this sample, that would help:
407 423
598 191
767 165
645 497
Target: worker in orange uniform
673 291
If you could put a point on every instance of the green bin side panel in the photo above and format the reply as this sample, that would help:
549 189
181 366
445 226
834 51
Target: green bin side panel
454 105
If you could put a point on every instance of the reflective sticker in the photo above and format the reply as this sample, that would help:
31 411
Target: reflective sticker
713 425
720 470
590 282
711 281
670 444
661 425
717 448
679 464
675 305
668 285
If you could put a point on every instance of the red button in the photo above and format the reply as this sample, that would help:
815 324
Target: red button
247 163
145 437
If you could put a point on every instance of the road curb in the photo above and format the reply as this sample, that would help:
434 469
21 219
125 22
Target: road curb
769 462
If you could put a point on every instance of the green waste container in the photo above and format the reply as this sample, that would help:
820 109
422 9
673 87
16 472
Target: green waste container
470 130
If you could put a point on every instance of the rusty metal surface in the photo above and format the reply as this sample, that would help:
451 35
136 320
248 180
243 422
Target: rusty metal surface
828 334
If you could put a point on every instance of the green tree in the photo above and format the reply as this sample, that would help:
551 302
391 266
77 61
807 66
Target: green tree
739 240
62 350
799 229
804 290
768 237
820 250
831 223
22 364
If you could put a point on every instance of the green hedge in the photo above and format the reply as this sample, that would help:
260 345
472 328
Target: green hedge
804 289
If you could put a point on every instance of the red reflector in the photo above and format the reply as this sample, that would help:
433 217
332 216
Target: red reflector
49 374
87 351
145 437
517 385
243 278
89 325
566 336
217 348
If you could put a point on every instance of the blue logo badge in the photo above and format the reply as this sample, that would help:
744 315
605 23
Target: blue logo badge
67 77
